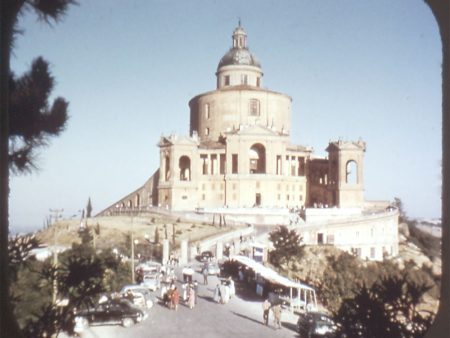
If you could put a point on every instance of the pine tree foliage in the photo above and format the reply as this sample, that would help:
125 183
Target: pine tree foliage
82 275
21 154
32 119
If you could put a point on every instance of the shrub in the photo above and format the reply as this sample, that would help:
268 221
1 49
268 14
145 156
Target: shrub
387 309
430 245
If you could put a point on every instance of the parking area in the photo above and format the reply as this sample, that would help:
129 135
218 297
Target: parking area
242 316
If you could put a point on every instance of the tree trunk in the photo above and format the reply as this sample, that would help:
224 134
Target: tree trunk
8 17
441 325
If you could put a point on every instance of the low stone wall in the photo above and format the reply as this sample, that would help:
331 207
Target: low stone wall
211 243
314 215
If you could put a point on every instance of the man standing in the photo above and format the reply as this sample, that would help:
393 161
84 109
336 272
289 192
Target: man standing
195 287
205 275
277 315
266 308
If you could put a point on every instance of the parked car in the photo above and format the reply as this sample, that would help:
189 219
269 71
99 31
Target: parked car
151 282
315 325
141 295
213 269
206 256
113 311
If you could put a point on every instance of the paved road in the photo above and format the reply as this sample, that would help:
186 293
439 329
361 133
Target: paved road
241 317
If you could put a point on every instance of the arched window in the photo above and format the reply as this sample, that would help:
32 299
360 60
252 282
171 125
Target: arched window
351 172
185 168
138 200
257 158
207 111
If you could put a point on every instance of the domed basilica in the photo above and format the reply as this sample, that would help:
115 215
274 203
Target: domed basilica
239 153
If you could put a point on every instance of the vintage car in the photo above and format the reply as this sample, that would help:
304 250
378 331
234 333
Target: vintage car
213 269
113 311
205 256
151 281
315 325
141 295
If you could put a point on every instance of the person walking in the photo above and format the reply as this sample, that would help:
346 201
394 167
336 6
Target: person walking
175 298
195 287
205 275
276 309
217 294
266 308
191 299
230 283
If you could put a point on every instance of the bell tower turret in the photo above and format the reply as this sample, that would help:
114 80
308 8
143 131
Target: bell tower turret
346 173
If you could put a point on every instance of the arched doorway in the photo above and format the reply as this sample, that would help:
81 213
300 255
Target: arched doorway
257 158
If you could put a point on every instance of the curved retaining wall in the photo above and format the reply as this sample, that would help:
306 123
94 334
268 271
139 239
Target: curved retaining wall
368 236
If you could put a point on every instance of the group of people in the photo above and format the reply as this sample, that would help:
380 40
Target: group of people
276 310
224 291
190 291
171 295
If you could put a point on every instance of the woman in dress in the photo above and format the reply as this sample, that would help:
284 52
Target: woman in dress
191 299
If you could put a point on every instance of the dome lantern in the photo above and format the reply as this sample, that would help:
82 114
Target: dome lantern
239 66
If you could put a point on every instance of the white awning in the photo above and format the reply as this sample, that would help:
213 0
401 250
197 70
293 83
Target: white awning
270 274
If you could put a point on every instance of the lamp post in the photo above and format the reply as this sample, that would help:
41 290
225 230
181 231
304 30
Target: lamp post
56 216
132 257
147 238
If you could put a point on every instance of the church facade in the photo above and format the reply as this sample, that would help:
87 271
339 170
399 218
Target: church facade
239 153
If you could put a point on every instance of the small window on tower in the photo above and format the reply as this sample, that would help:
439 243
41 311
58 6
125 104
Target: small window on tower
226 80
207 111
206 131
254 107
244 79
258 82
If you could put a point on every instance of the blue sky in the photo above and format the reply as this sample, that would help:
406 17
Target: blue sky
369 69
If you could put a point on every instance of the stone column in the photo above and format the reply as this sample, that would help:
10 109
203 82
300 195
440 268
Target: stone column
209 164
184 252
166 249
219 250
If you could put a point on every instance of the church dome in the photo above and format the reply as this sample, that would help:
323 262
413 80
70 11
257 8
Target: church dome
239 53
239 56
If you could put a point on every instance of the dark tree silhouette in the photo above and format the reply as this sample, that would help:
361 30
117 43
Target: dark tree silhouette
398 203
286 245
82 276
89 208
32 121
388 309
10 10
